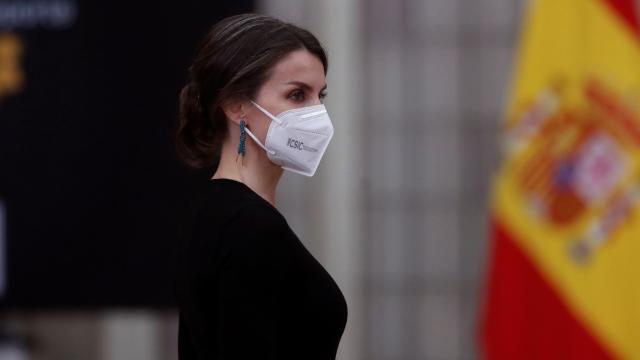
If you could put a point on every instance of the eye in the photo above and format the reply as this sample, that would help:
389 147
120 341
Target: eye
322 95
297 95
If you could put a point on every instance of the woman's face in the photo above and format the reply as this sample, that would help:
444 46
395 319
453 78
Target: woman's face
296 81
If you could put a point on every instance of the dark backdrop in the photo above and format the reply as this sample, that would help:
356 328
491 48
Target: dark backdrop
93 191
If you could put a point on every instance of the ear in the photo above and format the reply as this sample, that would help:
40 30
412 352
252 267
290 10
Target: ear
234 110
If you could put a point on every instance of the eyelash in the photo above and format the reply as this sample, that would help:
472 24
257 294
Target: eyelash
298 92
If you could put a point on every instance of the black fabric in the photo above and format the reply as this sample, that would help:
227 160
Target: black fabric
249 288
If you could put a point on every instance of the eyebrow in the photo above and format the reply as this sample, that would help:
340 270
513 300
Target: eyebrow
303 85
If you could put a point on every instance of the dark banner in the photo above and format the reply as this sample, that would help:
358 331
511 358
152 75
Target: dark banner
91 192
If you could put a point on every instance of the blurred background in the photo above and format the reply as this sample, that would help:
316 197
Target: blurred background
91 192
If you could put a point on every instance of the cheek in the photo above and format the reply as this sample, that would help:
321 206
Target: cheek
274 103
260 128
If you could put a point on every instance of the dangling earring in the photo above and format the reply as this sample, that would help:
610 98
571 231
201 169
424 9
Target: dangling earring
242 150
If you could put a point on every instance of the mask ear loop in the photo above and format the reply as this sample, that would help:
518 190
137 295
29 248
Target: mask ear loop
277 121
258 141
264 111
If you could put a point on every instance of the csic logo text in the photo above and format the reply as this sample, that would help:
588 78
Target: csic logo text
296 144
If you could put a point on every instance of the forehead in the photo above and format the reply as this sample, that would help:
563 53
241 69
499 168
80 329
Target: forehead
299 65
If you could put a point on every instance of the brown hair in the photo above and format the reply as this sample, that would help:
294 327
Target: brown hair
233 60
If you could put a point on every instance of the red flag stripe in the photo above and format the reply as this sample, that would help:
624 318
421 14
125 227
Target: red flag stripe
524 317
628 11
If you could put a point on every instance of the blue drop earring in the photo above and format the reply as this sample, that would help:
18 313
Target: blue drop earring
242 149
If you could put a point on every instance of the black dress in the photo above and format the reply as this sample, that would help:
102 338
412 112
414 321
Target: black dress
249 289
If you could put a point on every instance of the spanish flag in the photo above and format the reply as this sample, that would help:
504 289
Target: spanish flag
564 273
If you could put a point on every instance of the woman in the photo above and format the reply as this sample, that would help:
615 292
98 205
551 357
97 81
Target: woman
250 289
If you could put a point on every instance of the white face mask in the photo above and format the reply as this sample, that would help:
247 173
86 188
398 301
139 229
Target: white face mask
297 138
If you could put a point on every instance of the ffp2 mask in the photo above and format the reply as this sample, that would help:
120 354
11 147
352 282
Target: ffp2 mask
297 138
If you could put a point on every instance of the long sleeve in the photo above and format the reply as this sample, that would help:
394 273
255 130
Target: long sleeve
251 285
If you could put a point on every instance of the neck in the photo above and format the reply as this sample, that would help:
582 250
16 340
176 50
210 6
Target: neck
254 169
